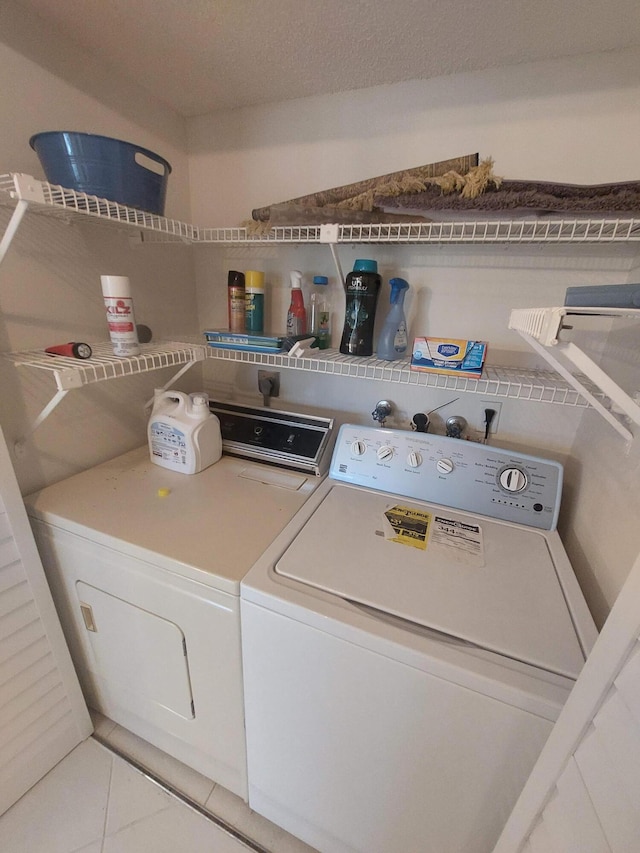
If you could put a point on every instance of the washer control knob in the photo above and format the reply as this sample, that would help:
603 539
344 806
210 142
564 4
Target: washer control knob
513 479
444 466
385 453
414 459
358 448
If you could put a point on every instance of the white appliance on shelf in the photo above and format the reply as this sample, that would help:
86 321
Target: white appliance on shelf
409 640
145 567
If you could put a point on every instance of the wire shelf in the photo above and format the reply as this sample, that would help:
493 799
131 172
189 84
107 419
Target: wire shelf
60 201
276 234
103 365
497 231
543 386
7 186
56 200
545 324
485 231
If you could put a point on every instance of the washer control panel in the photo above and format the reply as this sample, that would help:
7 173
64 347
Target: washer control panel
460 474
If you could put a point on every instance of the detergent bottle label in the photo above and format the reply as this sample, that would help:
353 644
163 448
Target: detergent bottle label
168 443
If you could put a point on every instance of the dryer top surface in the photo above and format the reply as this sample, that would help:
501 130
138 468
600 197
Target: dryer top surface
211 526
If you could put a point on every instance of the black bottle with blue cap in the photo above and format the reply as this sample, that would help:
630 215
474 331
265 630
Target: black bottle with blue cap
362 288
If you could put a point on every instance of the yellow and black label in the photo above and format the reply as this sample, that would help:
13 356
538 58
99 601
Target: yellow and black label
410 526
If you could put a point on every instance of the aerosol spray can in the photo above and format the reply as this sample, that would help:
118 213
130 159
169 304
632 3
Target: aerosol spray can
254 294
236 301
120 317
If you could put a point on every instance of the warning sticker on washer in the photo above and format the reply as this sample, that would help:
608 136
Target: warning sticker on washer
409 526
462 541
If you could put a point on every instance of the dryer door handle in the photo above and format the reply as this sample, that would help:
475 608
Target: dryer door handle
87 615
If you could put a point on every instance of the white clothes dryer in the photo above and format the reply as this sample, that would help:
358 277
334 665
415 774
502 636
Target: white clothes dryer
145 567
408 642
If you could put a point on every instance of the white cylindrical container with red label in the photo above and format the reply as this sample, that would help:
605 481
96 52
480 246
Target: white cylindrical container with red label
120 317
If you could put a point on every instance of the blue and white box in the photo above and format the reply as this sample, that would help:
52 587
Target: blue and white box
449 355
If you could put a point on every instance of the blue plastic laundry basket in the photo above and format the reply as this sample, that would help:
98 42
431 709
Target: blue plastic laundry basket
105 167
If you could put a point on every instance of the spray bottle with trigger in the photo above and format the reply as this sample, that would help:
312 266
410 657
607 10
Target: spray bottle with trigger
393 341
296 315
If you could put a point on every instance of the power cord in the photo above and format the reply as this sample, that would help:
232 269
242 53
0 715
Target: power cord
489 415
265 386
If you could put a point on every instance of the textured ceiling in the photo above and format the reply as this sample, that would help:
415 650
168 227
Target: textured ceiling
204 55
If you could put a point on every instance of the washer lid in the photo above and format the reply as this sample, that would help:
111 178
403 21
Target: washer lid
489 583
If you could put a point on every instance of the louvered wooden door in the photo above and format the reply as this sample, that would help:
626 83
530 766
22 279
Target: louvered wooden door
583 795
43 715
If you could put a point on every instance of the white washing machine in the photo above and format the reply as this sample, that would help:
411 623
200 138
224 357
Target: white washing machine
145 567
408 642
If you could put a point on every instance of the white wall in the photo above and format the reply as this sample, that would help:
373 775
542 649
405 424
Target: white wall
576 121
50 280
569 120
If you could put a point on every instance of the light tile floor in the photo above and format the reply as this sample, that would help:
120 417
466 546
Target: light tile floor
95 801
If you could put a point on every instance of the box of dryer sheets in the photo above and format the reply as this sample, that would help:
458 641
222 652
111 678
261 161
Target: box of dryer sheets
449 355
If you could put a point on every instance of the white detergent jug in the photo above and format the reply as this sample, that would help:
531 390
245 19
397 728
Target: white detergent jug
183 434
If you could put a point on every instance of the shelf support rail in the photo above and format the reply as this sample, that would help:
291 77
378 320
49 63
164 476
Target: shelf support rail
14 223
569 350
57 398
541 328
176 376
25 189
330 234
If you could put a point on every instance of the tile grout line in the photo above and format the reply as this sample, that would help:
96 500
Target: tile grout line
174 792
106 811
140 819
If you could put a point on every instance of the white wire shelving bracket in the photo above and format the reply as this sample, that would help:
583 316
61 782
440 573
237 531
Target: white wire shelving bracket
542 328
70 373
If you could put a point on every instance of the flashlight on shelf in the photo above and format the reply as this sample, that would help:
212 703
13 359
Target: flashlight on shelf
74 349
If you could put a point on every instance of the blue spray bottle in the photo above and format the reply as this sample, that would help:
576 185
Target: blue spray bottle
393 341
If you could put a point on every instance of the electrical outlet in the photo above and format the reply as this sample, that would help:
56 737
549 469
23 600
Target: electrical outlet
269 383
497 408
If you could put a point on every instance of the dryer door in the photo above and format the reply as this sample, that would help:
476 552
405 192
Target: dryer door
141 656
